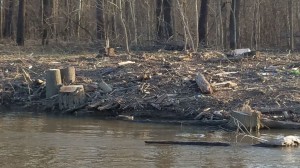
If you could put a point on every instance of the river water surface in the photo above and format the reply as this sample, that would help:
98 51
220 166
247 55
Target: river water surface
28 140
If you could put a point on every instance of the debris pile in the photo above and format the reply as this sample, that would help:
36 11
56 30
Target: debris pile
204 86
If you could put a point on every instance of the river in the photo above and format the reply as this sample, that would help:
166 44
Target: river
36 140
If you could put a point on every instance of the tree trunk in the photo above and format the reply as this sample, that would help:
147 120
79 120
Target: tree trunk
291 6
79 17
8 26
20 24
1 17
45 19
234 23
53 81
100 20
163 14
203 22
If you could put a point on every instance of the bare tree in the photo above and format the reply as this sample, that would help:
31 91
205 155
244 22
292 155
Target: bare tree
46 12
291 26
79 13
203 22
8 26
234 23
20 24
100 20
1 17
163 14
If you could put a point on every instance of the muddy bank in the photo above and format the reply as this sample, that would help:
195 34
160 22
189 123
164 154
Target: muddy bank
160 85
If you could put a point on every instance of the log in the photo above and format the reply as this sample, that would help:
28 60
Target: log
105 87
216 123
68 75
53 81
203 84
287 141
280 124
188 143
108 106
294 108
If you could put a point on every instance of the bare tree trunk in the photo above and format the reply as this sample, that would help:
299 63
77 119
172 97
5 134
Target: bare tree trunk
124 26
8 26
79 18
1 18
100 20
20 24
234 23
45 21
133 15
225 12
291 13
55 17
163 14
203 22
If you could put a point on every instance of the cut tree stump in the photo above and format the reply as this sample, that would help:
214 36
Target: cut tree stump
53 81
110 52
71 97
249 120
68 75
203 84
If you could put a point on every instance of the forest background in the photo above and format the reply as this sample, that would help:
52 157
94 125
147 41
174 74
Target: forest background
217 24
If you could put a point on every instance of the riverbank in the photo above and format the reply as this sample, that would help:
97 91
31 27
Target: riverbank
159 85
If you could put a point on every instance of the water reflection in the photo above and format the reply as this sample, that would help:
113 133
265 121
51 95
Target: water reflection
45 141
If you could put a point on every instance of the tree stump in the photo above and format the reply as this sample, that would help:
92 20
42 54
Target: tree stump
53 81
71 97
110 52
68 75
203 84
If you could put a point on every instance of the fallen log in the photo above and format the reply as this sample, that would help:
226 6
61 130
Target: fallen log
188 143
109 106
203 84
295 109
280 124
287 141
104 86
187 122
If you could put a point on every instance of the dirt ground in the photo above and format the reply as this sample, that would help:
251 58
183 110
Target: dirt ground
158 84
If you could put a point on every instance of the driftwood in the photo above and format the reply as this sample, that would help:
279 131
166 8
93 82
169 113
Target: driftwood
287 141
108 106
95 105
280 124
189 143
203 84
187 122
295 109
53 81
72 110
125 117
104 87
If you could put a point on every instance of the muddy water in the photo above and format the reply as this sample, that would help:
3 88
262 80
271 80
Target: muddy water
28 140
